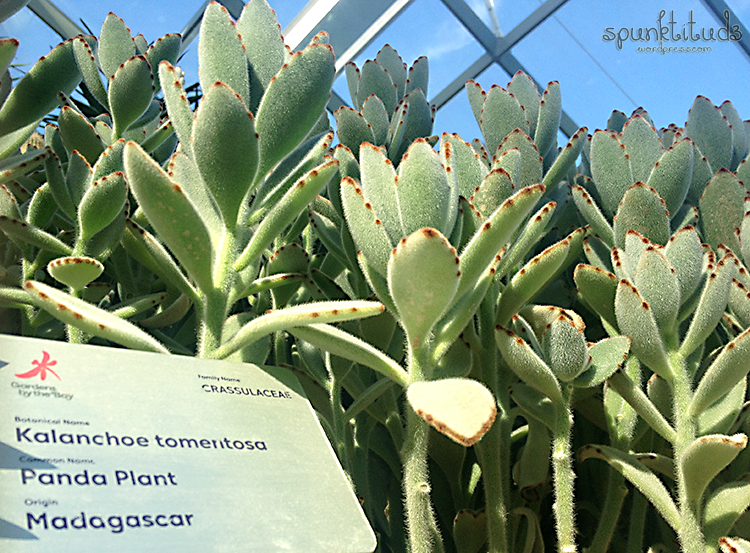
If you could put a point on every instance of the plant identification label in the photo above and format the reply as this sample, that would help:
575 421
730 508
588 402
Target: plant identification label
106 449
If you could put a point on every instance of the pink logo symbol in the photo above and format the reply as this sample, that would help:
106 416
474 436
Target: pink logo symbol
41 368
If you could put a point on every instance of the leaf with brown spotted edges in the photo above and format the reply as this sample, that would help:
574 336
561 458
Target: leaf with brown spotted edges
460 408
423 276
90 319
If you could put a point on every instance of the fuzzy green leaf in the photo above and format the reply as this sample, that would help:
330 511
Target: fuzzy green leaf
423 277
593 215
531 278
75 272
101 204
607 356
130 92
566 158
171 213
89 70
374 79
565 349
722 211
462 409
672 175
116 45
166 48
550 111
36 237
35 94
723 507
148 251
531 161
729 368
298 315
373 110
352 129
529 367
639 475
343 344
644 211
225 149
177 104
636 319
89 318
293 102
485 244
657 282
496 187
599 288
501 115
418 76
417 123
524 89
711 305
264 47
468 166
610 170
476 95
706 457
642 145
710 131
221 55
423 193
684 253
527 238
286 211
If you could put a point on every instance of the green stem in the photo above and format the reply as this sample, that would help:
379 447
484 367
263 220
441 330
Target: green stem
564 476
690 534
493 457
424 536
213 312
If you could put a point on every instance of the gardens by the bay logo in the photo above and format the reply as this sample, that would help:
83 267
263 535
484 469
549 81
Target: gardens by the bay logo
672 30
41 368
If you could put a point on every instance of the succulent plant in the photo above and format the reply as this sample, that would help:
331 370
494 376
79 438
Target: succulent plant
463 316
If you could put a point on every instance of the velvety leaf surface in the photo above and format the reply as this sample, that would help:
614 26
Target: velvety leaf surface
643 146
293 103
501 115
610 170
531 162
101 204
462 409
423 276
90 319
78 134
374 79
643 211
172 214
550 111
710 131
221 56
75 272
166 48
225 148
35 94
721 209
130 92
116 45
264 47
706 457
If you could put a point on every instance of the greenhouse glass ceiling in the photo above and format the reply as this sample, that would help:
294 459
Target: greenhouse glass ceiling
591 47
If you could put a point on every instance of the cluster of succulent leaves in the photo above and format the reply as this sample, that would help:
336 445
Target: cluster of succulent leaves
472 322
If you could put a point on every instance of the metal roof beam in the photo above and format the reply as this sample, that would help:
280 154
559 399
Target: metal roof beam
718 7
55 19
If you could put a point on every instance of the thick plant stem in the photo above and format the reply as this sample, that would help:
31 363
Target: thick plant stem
690 535
493 457
424 536
564 476
213 313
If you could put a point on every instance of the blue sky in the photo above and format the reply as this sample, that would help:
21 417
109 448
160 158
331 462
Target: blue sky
567 47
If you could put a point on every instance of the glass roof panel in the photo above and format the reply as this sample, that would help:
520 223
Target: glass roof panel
597 77
427 28
36 39
509 13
